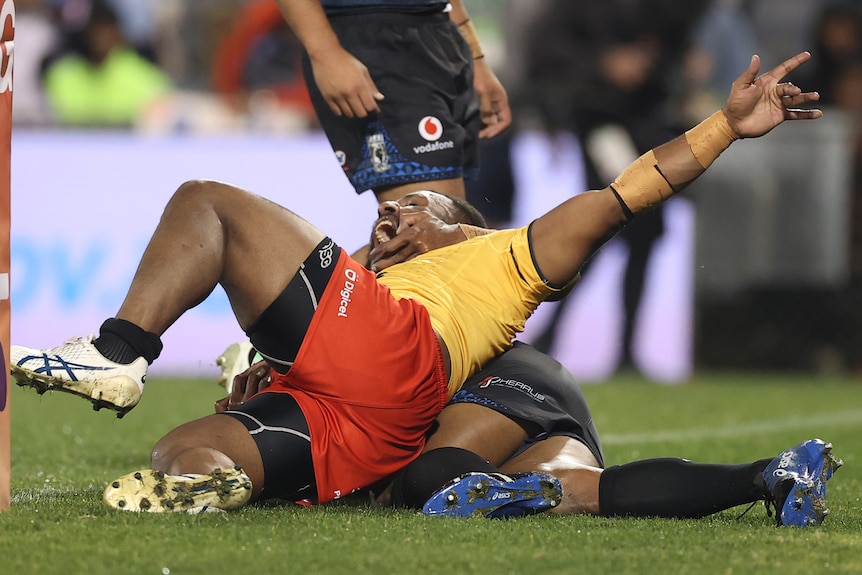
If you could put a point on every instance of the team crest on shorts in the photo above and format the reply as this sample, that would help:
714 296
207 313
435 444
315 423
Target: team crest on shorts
378 153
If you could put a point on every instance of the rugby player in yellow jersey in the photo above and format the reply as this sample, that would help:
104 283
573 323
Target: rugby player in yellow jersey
367 401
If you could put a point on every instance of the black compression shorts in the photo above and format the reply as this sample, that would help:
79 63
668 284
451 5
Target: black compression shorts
280 330
526 384
279 429
429 122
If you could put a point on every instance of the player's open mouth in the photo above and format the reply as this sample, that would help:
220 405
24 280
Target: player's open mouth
384 230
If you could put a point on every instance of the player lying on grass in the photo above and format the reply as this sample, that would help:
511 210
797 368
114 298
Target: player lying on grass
365 363
519 438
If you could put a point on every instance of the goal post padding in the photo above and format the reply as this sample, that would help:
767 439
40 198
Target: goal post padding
7 22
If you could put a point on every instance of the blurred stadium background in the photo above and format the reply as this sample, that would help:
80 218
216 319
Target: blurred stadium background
760 266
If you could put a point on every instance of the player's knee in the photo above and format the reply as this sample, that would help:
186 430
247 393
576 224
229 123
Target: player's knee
197 195
165 452
180 457
172 447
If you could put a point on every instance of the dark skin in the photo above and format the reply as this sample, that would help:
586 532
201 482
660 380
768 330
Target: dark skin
420 222
205 235
408 228
347 86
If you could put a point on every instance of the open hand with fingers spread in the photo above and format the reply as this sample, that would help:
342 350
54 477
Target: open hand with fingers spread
757 104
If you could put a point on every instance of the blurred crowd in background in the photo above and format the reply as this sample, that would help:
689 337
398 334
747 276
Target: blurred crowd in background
230 66
158 66
238 58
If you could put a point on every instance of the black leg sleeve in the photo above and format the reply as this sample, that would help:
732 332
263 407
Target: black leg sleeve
419 480
677 488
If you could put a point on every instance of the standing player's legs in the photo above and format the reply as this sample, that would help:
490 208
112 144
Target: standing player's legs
426 134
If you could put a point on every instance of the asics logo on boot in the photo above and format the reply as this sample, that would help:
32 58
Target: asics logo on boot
57 363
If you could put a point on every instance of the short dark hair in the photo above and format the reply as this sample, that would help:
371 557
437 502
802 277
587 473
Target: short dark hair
469 214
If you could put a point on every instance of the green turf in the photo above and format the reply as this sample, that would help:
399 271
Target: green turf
63 454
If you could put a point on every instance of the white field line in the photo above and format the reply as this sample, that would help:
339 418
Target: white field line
837 418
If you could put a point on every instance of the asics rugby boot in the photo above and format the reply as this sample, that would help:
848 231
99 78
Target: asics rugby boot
495 496
77 367
796 483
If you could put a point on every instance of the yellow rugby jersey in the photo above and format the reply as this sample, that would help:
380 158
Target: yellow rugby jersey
478 293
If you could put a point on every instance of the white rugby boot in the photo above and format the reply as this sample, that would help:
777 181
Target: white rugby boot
77 367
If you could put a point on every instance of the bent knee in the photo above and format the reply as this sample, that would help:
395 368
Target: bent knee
192 435
203 194
167 449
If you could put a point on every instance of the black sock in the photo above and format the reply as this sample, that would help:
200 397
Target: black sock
678 488
419 480
122 341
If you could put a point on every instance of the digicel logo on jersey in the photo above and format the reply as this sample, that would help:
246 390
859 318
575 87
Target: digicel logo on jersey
7 25
431 130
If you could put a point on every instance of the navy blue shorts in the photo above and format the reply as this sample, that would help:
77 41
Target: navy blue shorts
429 123
526 384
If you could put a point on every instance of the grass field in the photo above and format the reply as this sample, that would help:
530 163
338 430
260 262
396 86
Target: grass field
63 454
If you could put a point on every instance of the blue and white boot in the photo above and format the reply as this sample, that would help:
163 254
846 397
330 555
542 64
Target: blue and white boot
495 496
796 482
77 367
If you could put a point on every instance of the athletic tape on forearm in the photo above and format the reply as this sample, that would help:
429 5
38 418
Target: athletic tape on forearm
644 185
710 138
641 186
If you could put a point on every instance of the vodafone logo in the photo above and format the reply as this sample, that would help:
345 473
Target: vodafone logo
7 28
430 128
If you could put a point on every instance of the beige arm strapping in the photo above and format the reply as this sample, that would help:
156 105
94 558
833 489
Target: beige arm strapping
647 182
641 186
710 138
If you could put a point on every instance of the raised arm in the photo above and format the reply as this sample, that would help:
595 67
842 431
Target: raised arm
343 80
567 236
